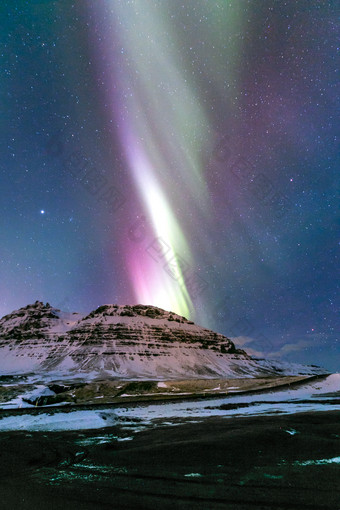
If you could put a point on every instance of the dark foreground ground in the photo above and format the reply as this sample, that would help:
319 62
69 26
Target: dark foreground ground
244 463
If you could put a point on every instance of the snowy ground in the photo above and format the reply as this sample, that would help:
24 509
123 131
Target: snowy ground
317 395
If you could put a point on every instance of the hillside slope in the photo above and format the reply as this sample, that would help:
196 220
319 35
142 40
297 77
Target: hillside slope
130 342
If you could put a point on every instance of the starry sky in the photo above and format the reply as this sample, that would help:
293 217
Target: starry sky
181 154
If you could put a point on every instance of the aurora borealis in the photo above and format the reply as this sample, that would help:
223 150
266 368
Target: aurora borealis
179 154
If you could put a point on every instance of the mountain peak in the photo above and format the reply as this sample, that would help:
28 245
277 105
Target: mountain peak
36 315
153 312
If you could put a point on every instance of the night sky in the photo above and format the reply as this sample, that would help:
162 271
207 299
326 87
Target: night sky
182 154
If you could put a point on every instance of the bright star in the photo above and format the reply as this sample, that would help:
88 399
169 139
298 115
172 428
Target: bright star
42 211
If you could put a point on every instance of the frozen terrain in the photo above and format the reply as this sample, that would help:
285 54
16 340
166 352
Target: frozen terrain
131 342
316 395
135 407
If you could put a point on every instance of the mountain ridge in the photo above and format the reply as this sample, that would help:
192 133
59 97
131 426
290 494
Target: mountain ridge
129 341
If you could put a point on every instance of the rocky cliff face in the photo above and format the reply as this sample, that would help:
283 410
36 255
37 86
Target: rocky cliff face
37 321
120 341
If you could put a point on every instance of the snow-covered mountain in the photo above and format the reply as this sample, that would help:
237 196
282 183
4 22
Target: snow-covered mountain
124 341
